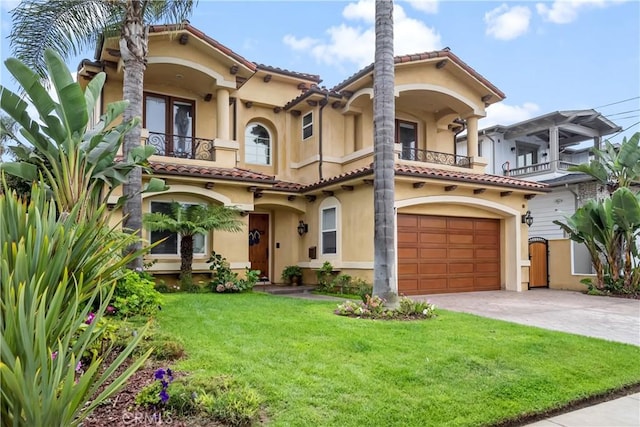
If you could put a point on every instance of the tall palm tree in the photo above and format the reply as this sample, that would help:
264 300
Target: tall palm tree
7 133
383 163
72 26
189 220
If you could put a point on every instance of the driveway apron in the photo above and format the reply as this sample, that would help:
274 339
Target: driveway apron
609 318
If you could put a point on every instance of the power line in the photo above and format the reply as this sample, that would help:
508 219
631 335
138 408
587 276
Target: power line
618 102
623 112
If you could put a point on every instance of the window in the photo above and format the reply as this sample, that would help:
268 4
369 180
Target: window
170 122
171 246
329 231
257 145
307 126
407 135
526 156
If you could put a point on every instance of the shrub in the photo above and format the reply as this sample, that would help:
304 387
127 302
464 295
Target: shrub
291 271
226 281
374 308
135 295
236 407
325 277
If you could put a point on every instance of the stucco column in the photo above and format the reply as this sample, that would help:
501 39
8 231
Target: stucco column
554 149
222 98
472 137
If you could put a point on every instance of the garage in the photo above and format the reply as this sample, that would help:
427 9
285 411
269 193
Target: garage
442 254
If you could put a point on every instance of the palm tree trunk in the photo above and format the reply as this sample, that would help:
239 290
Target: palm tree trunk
384 284
186 259
133 48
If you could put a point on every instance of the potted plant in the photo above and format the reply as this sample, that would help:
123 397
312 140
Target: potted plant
292 274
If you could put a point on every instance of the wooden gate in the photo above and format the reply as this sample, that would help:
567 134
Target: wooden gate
539 257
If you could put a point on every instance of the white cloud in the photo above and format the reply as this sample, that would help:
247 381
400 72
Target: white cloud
505 23
505 114
426 6
353 43
565 11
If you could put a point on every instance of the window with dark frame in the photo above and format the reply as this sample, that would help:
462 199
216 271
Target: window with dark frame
307 125
329 231
526 156
407 136
171 124
171 244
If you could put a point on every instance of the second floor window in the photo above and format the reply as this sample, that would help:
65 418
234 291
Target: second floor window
526 156
257 144
170 122
407 135
307 126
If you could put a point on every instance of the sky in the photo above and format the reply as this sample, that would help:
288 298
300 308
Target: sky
544 55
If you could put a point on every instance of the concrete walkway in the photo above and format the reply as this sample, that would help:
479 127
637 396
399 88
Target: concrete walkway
613 319
622 412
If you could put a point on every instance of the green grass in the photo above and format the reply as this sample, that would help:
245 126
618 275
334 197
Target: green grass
312 367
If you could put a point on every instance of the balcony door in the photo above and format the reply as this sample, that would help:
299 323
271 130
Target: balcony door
170 122
407 135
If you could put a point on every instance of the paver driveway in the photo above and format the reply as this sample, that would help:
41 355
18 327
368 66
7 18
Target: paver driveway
614 319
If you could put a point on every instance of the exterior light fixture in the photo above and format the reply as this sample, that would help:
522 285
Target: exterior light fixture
527 218
302 228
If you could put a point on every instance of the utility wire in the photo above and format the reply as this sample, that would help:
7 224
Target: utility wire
618 102
623 112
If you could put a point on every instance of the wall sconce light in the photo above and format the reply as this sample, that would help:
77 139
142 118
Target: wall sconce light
527 219
545 154
513 148
302 228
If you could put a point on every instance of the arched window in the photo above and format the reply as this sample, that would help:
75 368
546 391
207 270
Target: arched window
257 144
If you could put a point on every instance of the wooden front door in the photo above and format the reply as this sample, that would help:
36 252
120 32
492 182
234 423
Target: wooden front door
539 270
259 243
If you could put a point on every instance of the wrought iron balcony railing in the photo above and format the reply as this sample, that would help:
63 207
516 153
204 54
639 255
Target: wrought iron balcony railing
184 147
435 157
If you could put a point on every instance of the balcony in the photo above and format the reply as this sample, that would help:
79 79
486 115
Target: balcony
538 168
435 157
182 147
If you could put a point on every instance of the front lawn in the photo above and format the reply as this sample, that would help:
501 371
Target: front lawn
312 367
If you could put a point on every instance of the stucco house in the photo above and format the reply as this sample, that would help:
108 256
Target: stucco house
297 158
542 149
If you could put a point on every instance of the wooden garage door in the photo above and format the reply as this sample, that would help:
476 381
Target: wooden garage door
438 254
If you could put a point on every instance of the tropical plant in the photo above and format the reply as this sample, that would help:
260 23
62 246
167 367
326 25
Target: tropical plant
188 220
609 228
72 26
383 162
7 133
79 165
54 269
614 166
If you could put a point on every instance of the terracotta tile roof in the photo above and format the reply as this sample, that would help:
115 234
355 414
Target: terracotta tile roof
245 175
232 174
312 91
484 179
196 32
312 77
444 53
434 173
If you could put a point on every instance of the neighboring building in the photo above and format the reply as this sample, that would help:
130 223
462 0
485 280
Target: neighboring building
297 159
541 150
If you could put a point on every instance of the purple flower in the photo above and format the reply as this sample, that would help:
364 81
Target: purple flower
159 374
164 396
54 355
90 318
79 366
111 309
